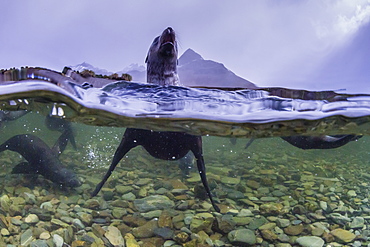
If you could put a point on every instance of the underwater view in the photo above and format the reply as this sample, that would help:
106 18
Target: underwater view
282 167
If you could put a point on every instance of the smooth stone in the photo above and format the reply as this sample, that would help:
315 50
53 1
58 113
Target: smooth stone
4 232
268 235
152 214
78 223
177 184
323 205
118 213
225 223
5 202
45 235
310 241
161 191
169 243
26 237
230 180
128 196
282 222
357 223
267 226
351 193
153 202
202 222
242 237
294 230
58 240
235 195
85 218
271 208
92 204
245 213
342 235
143 181
242 221
39 243
257 222
59 223
123 189
163 232
16 221
146 230
113 234
317 231
269 199
278 193
253 184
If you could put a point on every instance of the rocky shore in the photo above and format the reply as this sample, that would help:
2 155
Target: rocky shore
274 199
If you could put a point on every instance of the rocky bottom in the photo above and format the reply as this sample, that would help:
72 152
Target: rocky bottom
270 200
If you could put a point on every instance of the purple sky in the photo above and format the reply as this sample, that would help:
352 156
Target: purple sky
310 44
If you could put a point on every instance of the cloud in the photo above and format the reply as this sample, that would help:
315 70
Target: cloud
269 42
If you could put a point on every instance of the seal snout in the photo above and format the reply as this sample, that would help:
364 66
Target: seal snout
168 37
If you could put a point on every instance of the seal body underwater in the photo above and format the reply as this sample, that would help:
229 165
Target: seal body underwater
162 70
40 160
316 142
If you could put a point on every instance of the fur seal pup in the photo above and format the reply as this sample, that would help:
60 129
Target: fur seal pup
162 60
320 142
162 70
40 160
316 142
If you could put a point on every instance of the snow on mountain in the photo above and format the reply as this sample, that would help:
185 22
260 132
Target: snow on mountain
133 67
86 66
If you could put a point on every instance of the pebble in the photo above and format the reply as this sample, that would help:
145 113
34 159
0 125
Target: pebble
280 208
146 230
26 237
342 235
202 222
4 232
310 241
31 219
58 240
153 202
114 236
242 237
294 230
45 235
282 222
357 223
128 197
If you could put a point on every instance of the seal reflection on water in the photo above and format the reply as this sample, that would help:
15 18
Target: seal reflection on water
162 70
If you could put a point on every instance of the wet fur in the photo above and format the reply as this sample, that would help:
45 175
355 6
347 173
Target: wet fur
162 60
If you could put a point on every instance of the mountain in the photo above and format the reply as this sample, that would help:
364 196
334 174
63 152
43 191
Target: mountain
87 66
193 70
138 72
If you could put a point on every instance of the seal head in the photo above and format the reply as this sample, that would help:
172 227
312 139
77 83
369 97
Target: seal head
162 59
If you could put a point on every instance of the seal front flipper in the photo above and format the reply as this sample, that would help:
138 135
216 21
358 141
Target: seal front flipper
23 168
127 143
198 154
61 144
63 126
